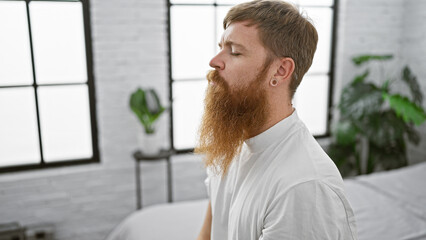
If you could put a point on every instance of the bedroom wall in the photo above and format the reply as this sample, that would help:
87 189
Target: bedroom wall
129 43
85 202
383 27
414 51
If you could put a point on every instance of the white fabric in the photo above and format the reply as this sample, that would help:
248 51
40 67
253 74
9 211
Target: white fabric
281 186
387 205
390 205
177 221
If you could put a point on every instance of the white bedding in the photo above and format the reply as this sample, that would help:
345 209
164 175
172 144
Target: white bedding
390 205
387 205
177 221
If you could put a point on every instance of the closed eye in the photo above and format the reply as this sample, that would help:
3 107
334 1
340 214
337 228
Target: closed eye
229 44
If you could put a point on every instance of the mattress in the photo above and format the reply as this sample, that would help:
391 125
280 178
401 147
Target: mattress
387 205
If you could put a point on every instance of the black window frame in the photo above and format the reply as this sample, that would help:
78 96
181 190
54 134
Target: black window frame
91 89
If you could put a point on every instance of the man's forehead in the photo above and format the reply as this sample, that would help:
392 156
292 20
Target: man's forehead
232 43
240 34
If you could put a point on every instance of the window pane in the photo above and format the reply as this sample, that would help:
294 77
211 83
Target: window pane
311 99
299 2
221 13
192 1
192 41
311 102
322 19
188 105
65 122
58 39
18 127
325 3
230 1
15 56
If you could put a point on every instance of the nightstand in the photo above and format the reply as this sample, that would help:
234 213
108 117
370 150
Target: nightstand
140 157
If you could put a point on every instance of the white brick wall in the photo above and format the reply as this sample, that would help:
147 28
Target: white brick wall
383 27
413 51
130 50
82 204
366 27
86 202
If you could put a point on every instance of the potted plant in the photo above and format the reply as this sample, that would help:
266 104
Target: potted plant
375 121
147 107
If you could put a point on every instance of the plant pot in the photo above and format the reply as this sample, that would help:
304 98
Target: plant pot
149 144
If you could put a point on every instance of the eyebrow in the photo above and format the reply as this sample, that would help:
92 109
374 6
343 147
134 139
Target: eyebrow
230 43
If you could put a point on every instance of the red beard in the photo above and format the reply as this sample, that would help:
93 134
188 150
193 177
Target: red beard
230 117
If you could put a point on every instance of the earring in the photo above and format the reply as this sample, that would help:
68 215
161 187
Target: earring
274 82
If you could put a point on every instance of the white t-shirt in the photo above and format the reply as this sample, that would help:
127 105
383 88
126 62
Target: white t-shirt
281 186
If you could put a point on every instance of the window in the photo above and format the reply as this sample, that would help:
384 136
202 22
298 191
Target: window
47 115
195 29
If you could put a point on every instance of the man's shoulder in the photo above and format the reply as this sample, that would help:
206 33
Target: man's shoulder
296 169
287 172
320 192
300 158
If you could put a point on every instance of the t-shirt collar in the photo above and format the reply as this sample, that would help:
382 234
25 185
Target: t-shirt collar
273 134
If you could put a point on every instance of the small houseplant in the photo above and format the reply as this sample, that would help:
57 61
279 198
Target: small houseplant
376 122
147 107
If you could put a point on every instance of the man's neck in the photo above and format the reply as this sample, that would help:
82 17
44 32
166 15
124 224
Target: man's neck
275 116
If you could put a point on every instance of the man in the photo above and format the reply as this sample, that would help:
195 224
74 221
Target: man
267 176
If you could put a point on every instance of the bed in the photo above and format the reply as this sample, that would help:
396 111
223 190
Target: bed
387 205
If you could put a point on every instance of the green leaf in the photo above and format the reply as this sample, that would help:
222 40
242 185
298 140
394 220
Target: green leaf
360 99
365 58
152 101
406 109
147 107
345 158
387 157
412 135
360 78
385 86
384 128
345 133
412 83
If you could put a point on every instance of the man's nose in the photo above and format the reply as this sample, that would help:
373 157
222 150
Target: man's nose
217 63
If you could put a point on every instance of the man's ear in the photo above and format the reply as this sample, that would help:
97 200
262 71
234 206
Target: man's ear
285 70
